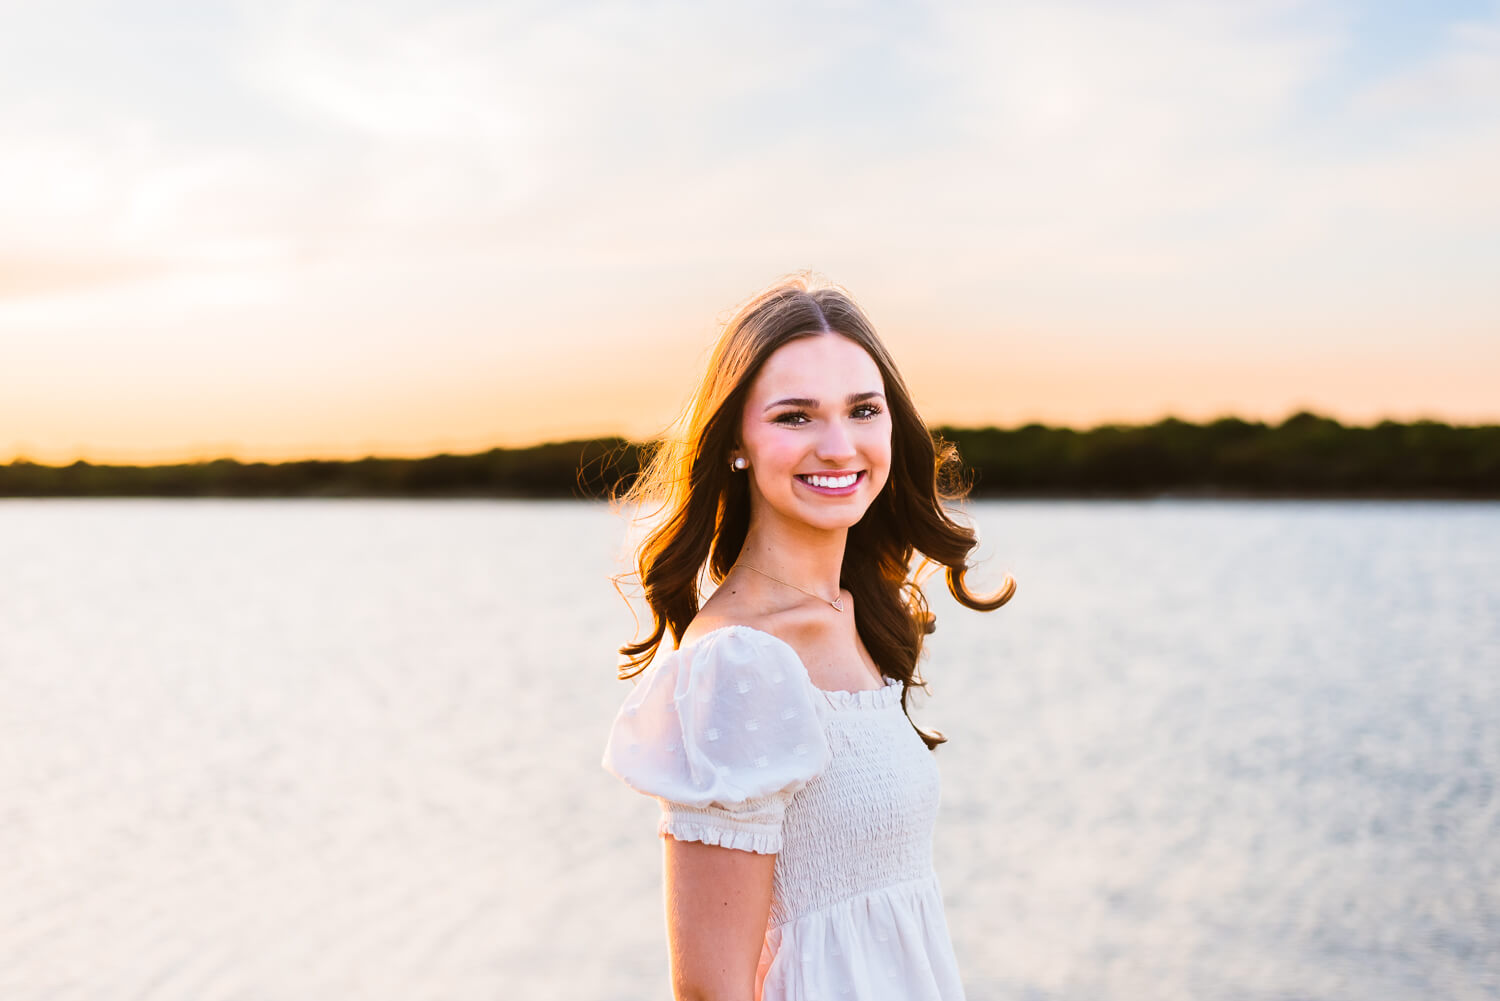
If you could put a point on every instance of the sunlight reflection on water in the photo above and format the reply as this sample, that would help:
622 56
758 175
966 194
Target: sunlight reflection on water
293 749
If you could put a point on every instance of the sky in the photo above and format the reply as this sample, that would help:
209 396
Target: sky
289 229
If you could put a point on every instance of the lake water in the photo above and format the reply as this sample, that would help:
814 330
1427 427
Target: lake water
290 750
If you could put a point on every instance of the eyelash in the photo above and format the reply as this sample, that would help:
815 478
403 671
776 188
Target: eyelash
874 412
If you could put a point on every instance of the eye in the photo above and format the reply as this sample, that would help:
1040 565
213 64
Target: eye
866 411
792 418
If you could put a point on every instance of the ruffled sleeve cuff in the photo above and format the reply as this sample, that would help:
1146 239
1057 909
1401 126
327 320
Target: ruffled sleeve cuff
754 826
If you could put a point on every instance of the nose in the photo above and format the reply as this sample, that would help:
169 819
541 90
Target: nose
836 444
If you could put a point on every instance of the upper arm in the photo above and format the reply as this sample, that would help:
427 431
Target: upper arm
718 902
724 734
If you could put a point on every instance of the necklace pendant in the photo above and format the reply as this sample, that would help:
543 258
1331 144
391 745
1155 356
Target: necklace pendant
838 603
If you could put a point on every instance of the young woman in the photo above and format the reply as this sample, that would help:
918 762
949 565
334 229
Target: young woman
798 798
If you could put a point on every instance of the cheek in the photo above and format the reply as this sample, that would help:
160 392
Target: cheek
879 452
783 457
879 445
772 451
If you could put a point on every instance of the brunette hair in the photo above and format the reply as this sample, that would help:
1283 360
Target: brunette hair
704 509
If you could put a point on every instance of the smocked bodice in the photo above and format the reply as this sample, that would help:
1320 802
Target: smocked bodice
744 752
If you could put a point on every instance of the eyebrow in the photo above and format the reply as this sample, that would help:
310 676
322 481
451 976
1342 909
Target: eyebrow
811 404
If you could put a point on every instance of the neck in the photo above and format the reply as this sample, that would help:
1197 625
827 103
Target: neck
807 556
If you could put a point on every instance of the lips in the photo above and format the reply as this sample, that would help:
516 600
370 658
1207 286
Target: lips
841 482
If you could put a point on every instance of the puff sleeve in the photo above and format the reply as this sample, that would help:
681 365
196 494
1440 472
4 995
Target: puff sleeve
722 732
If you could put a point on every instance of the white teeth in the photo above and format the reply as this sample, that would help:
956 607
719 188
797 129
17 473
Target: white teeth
832 482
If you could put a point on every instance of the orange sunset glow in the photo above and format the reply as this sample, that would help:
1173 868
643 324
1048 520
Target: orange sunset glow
274 232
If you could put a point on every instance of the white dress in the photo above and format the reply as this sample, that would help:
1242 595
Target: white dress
742 750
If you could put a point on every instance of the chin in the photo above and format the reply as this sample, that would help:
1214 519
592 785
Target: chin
831 519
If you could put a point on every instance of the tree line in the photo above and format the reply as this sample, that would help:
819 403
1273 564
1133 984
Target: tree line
1306 455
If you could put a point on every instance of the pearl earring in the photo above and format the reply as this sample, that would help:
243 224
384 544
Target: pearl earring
740 462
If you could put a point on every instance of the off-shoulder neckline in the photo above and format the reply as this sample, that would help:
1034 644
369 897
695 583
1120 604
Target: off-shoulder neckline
861 698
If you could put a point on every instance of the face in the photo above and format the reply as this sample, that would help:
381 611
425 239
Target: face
817 433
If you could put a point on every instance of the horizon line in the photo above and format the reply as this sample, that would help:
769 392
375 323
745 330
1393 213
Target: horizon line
189 457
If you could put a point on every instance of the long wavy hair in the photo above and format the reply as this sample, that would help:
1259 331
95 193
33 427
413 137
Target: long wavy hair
701 511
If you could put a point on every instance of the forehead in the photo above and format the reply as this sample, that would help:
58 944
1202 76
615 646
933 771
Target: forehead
823 367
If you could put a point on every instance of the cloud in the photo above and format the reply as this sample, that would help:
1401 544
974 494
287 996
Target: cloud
1460 78
591 132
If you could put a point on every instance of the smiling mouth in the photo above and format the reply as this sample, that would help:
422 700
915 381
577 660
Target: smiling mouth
825 482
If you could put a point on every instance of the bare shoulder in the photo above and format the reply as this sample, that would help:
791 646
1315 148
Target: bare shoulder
723 609
825 640
799 626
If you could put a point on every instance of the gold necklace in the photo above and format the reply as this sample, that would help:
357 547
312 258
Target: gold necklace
837 603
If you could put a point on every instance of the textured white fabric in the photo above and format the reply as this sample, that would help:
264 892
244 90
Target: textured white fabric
742 750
